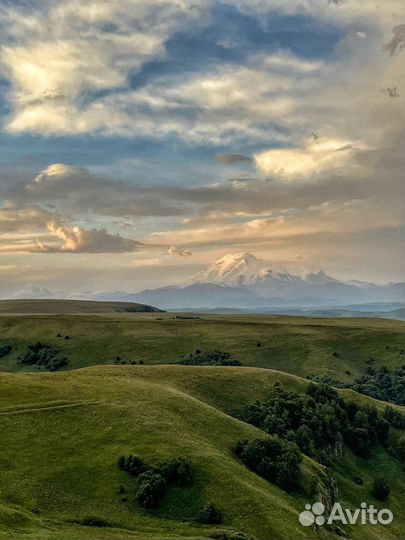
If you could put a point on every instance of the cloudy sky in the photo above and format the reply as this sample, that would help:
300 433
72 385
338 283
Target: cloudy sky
140 140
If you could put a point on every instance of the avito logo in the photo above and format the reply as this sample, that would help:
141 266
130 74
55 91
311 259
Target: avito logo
366 514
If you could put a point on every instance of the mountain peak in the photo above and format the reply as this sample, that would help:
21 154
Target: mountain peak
319 277
233 269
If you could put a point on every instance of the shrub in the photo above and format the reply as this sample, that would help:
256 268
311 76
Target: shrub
44 355
209 358
210 514
381 489
276 460
394 417
5 350
178 470
133 465
152 487
154 481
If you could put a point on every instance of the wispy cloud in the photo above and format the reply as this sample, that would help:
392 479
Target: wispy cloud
60 56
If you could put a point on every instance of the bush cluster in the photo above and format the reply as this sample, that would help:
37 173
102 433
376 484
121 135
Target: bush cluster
381 383
152 487
153 481
274 459
5 350
318 421
210 358
178 470
394 417
44 355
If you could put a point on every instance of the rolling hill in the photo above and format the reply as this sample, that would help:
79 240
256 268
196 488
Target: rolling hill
62 434
46 306
342 348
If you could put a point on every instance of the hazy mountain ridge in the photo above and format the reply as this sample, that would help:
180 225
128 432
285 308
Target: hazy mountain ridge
240 280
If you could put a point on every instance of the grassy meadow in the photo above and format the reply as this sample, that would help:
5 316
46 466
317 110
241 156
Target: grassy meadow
337 347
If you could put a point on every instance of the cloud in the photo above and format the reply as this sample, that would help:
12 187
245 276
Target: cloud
76 190
314 158
79 240
231 159
355 11
397 43
17 218
59 56
176 252
72 69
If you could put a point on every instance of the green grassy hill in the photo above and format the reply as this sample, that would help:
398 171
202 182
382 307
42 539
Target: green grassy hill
61 434
342 348
71 306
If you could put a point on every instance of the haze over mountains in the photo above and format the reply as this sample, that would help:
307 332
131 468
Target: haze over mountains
242 281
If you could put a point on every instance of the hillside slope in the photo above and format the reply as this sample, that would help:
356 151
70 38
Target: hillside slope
297 345
62 434
72 306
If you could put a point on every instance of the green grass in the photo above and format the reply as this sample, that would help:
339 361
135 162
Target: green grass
62 433
295 345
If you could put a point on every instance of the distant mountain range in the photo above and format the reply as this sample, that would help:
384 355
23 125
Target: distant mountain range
242 281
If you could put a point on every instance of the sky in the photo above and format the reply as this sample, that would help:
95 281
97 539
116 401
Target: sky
141 140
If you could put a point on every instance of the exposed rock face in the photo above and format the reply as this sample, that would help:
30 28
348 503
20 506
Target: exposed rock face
329 492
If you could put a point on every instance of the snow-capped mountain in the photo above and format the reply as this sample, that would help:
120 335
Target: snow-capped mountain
232 270
240 280
244 269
